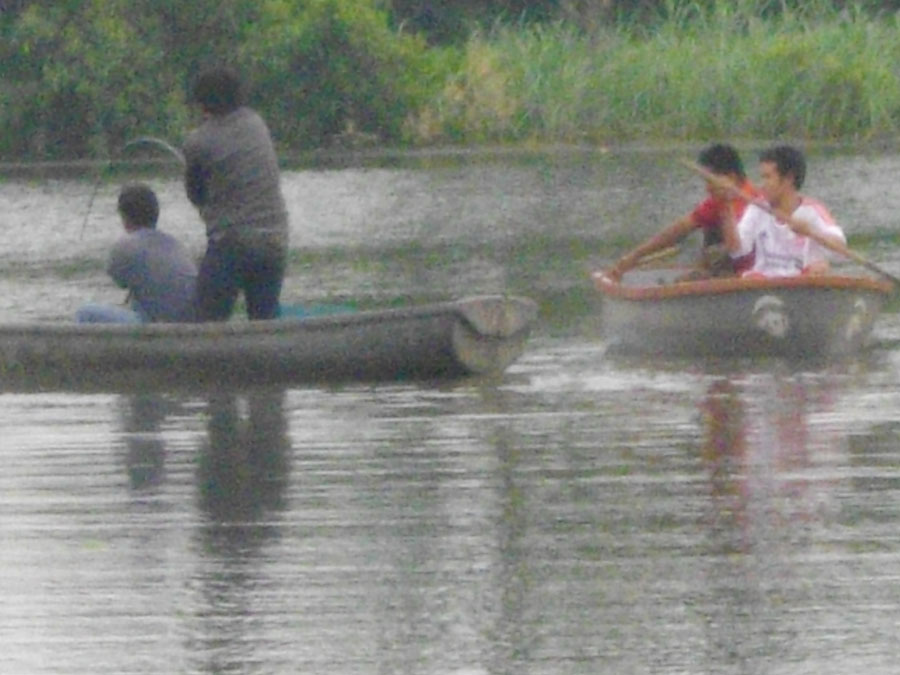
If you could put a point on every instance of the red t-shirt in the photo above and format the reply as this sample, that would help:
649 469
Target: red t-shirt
710 213
709 216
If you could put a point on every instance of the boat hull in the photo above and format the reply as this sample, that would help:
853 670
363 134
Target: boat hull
478 335
804 316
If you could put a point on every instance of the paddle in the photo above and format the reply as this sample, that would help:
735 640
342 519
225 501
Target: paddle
725 183
657 256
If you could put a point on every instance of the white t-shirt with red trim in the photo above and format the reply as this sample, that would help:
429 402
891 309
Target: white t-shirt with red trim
778 250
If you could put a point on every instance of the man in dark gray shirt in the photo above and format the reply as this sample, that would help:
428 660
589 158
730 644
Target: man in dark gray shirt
233 178
156 268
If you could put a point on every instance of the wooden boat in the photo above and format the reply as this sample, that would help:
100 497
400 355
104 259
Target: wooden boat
471 336
650 312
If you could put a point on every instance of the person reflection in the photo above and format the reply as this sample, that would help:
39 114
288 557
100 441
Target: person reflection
723 451
243 466
757 445
759 448
144 445
242 474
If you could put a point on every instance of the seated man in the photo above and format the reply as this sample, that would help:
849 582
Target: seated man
157 270
784 236
709 216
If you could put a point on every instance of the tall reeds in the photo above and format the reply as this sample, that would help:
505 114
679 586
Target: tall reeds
739 68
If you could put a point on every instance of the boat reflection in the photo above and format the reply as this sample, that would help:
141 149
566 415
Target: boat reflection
240 475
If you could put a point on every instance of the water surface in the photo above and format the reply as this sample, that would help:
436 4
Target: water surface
582 513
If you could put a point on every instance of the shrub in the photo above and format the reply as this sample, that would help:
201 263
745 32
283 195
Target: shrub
326 67
79 81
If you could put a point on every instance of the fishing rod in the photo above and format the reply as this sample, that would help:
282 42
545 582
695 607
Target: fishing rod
140 140
94 190
158 142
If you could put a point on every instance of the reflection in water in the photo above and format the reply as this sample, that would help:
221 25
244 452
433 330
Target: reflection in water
577 518
411 558
759 449
512 640
242 470
242 474
761 456
145 447
581 518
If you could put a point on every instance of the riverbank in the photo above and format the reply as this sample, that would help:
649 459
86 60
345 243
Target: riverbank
816 75
719 74
430 156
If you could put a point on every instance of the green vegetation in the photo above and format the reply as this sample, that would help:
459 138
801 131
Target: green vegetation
724 72
82 77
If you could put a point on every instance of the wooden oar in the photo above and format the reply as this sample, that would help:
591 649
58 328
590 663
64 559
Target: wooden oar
727 184
656 256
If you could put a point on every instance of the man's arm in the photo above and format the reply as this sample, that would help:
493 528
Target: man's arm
731 236
817 224
196 178
119 264
830 237
669 236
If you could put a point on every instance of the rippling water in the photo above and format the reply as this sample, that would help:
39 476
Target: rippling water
583 513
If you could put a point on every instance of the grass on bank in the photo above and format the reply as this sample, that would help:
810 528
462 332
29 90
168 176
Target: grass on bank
336 73
812 74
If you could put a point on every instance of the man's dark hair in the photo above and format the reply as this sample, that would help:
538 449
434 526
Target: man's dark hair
138 205
219 90
722 158
788 160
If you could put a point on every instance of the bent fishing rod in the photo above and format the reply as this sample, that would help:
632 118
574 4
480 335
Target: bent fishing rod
140 140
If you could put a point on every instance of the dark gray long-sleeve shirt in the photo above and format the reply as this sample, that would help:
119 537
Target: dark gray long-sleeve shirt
232 176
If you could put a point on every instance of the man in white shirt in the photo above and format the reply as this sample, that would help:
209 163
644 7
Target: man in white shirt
785 236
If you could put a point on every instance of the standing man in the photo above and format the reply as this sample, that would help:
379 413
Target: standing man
232 177
156 268
779 237
709 216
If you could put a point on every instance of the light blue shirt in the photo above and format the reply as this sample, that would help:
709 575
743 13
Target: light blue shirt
159 272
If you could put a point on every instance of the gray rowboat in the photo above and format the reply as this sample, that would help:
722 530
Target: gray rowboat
470 336
802 316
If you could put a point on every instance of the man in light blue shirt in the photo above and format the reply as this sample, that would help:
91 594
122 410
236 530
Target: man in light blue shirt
157 269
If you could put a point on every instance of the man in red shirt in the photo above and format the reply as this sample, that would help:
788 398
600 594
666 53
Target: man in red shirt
710 216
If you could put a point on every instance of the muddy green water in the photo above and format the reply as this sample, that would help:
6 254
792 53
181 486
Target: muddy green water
583 513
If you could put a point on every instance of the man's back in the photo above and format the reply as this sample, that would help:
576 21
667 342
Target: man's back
242 188
159 272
